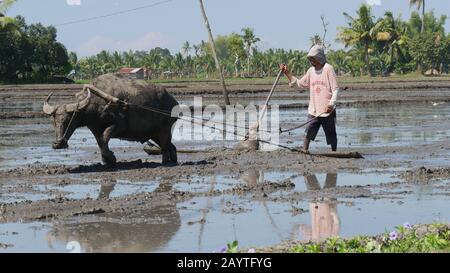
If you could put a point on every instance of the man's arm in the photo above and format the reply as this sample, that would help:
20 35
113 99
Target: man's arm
334 96
286 72
302 83
334 89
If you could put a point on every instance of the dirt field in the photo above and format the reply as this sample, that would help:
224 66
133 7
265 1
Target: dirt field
212 197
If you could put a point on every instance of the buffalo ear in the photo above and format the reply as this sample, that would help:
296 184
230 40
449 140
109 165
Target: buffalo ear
49 109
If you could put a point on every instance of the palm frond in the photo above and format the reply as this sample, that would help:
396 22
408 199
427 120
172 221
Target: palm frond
5 5
417 3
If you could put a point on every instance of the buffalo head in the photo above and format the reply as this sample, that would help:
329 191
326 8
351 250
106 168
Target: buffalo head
66 118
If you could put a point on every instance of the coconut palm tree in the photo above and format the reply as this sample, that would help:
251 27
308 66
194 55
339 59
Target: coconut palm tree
298 62
5 5
337 59
358 32
186 48
236 45
393 33
419 4
129 58
178 64
250 40
117 59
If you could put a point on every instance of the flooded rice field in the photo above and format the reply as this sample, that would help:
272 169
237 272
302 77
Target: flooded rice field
66 200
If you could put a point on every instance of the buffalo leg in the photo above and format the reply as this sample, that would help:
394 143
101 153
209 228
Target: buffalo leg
103 139
173 153
108 157
168 150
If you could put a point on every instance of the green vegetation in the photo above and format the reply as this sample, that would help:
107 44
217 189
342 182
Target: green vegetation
30 53
373 47
406 238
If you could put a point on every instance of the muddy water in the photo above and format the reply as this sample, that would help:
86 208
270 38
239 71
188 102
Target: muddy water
358 128
204 224
316 205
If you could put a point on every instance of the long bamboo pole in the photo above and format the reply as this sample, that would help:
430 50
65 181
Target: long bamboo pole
216 59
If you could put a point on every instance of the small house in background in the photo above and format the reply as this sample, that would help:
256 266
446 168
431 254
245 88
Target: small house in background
132 73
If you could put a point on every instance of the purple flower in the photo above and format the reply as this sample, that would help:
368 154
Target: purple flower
251 250
407 225
223 249
393 235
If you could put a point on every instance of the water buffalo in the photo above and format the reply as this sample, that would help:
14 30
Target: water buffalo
108 120
148 229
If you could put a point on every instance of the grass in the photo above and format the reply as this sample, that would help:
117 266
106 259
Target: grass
343 79
405 239
434 238
83 81
269 80
407 77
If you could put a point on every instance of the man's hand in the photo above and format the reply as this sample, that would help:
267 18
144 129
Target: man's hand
283 68
330 108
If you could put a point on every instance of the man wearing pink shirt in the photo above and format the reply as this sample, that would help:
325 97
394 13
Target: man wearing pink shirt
323 90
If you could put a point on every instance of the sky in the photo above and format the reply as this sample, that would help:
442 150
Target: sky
280 24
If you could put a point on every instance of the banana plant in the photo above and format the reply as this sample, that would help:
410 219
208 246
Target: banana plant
357 33
393 33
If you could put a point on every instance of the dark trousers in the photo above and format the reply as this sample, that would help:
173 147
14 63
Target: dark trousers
329 127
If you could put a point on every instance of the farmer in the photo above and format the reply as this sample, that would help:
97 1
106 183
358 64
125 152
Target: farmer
323 90
325 220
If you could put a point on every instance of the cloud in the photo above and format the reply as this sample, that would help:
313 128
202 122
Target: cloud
374 2
144 42
73 2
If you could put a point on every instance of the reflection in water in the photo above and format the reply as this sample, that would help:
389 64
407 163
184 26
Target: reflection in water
324 215
252 177
149 231
365 137
106 187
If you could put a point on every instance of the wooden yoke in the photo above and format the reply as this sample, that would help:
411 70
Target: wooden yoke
107 97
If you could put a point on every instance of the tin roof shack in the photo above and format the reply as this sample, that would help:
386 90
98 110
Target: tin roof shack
132 73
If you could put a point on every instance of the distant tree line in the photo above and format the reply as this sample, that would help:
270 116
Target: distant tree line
372 46
389 44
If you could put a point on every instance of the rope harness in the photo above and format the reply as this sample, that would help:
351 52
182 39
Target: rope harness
303 124
68 126
192 120
116 101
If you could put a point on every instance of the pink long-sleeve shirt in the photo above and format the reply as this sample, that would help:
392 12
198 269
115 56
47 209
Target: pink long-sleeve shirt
323 89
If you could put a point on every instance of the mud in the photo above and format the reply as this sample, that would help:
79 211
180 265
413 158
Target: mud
401 130
25 101
425 174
